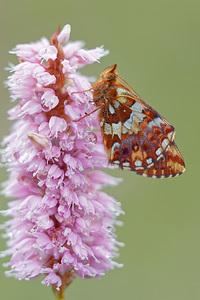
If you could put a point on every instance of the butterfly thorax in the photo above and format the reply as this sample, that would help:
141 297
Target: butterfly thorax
104 93
105 89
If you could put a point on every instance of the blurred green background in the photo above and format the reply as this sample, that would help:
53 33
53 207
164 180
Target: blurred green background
156 45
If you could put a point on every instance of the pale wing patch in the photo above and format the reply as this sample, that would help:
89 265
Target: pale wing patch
116 129
114 146
129 122
107 129
116 104
111 109
137 107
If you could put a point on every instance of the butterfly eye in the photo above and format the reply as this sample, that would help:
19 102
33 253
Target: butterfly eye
109 76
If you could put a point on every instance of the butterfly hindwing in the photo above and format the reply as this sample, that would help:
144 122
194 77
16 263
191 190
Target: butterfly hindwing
169 165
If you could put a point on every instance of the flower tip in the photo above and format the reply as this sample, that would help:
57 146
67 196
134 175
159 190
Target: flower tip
64 34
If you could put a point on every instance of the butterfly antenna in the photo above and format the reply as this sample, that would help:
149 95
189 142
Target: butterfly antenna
80 92
87 114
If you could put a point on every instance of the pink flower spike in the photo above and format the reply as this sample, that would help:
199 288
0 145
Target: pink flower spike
61 224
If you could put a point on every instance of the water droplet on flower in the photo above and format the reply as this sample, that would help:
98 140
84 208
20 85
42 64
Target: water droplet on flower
117 213
49 100
110 228
44 105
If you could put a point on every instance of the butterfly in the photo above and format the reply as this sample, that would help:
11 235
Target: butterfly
135 135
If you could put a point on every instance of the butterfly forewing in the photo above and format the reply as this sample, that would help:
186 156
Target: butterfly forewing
136 137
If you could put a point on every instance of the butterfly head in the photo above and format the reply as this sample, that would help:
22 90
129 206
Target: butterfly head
109 74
